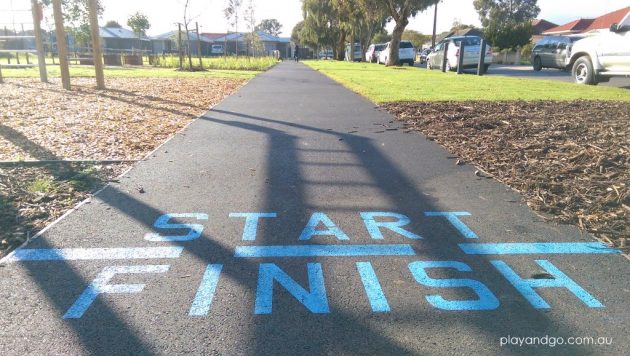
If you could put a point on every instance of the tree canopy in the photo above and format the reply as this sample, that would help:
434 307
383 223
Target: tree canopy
270 26
139 23
507 23
332 23
400 12
112 24
415 37
76 18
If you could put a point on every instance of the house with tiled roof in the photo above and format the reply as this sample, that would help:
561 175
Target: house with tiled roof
590 25
212 35
604 22
541 25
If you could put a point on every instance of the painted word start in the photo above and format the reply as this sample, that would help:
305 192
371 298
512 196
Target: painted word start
314 296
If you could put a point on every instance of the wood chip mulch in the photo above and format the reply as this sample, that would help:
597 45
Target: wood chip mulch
570 160
124 122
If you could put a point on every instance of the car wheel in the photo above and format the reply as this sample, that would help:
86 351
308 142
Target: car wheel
429 67
537 64
583 72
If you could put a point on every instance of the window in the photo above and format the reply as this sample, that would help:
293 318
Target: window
552 43
405 44
468 41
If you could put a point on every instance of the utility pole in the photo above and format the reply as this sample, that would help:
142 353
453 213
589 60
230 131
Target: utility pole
39 43
199 45
97 53
434 26
62 46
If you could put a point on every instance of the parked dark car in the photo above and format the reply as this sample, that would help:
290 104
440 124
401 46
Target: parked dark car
553 52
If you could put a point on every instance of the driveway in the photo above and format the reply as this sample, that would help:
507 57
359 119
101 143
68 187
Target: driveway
526 71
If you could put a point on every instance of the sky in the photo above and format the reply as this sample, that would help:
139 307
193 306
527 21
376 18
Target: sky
163 14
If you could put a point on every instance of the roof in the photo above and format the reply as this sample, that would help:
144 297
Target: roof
605 21
173 35
212 36
265 37
587 25
117 32
468 32
542 25
575 26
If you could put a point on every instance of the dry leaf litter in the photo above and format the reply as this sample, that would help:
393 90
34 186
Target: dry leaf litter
125 122
569 160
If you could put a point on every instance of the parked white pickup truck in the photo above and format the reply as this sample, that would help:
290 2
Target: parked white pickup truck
597 58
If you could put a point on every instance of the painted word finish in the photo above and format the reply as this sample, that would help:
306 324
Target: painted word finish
314 296
374 223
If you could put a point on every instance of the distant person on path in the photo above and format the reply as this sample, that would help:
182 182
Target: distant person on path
296 53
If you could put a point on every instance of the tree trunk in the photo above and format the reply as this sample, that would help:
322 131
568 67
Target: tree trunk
341 46
392 60
352 46
188 47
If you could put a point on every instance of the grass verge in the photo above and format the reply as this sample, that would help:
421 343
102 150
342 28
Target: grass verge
390 84
129 72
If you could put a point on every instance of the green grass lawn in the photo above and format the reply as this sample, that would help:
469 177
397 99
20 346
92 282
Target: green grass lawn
129 72
387 84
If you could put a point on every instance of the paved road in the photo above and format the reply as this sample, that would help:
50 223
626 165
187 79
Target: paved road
306 222
524 71
553 74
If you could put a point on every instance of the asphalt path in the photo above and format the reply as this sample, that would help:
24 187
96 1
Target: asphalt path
306 221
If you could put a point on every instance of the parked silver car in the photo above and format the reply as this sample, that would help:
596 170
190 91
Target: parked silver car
452 45
553 52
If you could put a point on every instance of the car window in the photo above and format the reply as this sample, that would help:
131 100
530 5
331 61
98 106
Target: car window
380 47
551 43
406 45
468 41
562 45
439 46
